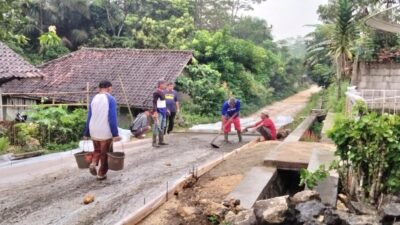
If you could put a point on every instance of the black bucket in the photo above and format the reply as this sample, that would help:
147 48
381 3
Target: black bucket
116 160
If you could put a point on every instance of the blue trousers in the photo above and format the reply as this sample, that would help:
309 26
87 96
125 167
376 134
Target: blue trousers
159 126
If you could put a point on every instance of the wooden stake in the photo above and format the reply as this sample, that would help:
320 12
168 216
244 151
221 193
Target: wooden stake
87 95
1 106
126 97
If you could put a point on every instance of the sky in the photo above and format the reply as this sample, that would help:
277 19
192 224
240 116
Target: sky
288 17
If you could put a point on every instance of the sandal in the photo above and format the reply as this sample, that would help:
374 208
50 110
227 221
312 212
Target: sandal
92 169
101 177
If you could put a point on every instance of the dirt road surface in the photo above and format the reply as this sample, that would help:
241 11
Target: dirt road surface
52 191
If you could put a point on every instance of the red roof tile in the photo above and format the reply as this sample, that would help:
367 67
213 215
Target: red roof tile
13 65
140 69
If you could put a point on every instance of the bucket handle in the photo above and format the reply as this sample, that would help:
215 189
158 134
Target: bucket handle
112 146
86 143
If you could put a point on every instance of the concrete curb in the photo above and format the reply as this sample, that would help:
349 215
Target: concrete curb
144 211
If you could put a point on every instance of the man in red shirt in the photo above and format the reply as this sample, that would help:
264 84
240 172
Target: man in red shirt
265 127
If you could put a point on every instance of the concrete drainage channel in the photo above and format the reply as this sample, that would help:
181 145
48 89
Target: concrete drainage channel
147 209
279 175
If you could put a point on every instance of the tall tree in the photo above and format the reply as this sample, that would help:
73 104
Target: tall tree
343 38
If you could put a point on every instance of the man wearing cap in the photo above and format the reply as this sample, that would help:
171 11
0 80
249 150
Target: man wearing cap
231 114
159 115
172 105
102 127
265 127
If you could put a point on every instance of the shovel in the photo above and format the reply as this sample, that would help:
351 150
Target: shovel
227 122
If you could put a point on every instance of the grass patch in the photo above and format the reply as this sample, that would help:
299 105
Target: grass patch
330 98
61 147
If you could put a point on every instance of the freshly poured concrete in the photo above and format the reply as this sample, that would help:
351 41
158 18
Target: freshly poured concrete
293 155
253 186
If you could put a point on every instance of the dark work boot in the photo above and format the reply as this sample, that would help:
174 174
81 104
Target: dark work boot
161 139
239 133
155 145
226 138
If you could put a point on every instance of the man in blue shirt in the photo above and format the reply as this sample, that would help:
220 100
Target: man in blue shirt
231 114
172 105
159 114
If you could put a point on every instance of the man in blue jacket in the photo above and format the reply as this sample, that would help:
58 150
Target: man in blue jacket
159 115
231 114
102 127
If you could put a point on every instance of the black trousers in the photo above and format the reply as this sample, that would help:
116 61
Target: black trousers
170 121
265 132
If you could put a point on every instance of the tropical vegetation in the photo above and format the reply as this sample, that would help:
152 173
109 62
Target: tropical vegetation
233 54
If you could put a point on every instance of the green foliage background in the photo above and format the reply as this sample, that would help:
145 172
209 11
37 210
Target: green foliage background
233 55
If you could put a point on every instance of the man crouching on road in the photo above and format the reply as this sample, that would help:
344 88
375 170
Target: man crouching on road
265 127
102 127
231 114
141 124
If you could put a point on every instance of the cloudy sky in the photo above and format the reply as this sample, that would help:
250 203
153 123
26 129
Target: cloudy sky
288 17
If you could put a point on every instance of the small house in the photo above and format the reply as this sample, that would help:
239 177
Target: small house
138 70
14 67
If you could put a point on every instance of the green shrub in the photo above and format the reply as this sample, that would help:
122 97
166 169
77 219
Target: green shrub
4 143
311 179
58 125
23 132
369 150
331 101
55 128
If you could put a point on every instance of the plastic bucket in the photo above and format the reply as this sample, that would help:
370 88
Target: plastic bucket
83 159
116 160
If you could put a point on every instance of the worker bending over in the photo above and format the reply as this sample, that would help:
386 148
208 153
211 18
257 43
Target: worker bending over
231 114
265 127
141 124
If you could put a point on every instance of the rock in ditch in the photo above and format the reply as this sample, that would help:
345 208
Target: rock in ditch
309 211
245 217
188 212
351 219
391 211
341 206
331 218
305 196
272 211
231 203
213 208
363 208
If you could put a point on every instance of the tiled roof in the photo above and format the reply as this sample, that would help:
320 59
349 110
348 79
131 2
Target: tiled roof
140 69
13 65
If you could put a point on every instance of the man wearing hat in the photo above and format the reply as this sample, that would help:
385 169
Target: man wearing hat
231 114
265 127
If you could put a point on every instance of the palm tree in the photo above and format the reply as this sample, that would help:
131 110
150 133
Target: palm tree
339 39
342 39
